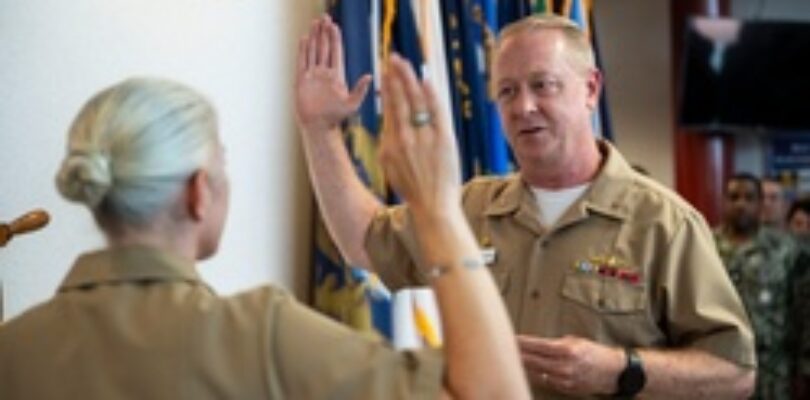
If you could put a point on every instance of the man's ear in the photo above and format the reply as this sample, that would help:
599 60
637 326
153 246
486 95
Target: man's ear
197 195
594 83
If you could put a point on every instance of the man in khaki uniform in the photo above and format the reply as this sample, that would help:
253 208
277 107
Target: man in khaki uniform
611 280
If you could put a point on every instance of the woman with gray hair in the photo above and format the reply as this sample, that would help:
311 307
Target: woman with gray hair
135 319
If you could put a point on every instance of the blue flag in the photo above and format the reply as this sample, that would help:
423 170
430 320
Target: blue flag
345 293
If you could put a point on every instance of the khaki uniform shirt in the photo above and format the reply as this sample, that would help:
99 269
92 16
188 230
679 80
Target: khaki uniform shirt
139 323
628 264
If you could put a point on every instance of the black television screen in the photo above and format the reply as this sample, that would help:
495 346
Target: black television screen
746 76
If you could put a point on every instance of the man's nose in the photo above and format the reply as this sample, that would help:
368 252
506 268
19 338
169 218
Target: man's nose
525 103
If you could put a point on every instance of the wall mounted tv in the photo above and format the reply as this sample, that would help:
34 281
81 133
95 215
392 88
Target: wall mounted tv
745 76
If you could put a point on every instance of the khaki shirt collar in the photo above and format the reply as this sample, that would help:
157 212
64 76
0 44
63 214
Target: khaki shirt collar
604 196
608 191
129 264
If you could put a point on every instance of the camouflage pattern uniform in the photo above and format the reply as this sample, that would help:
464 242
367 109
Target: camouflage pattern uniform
759 269
800 317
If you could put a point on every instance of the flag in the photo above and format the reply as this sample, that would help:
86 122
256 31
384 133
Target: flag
541 6
372 29
603 124
470 27
497 156
348 294
509 11
580 12
429 22
577 14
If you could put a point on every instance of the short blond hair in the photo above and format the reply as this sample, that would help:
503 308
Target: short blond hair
580 51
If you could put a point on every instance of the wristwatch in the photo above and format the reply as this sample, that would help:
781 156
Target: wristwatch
632 378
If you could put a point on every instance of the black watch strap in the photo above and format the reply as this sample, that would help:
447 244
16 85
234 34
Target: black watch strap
632 378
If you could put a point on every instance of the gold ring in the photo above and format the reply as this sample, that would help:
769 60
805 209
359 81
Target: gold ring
420 118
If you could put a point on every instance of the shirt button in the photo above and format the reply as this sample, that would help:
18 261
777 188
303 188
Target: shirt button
535 294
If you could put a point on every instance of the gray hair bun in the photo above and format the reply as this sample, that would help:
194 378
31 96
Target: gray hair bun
85 177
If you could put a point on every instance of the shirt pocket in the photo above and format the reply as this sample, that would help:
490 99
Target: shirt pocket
604 295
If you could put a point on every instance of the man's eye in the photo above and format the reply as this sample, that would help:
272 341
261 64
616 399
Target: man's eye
545 87
539 85
506 92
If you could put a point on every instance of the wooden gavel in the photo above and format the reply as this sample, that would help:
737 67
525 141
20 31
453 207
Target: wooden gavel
30 221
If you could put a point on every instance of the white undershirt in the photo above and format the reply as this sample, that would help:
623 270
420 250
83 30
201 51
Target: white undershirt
553 203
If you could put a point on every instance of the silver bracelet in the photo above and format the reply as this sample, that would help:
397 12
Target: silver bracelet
437 271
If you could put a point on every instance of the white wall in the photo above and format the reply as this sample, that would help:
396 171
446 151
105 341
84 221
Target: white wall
634 38
55 54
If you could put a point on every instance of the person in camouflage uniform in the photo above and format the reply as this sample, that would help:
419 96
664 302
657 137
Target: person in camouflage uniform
800 300
800 317
759 261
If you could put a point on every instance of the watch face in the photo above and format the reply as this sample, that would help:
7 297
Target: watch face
632 379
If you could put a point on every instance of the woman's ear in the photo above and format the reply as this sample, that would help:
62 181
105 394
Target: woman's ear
197 195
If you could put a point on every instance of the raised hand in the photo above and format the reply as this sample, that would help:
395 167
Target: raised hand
322 98
419 156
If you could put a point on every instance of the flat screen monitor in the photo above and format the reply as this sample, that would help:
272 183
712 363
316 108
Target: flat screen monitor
743 76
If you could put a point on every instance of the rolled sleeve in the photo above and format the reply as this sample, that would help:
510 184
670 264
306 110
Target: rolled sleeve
703 308
392 248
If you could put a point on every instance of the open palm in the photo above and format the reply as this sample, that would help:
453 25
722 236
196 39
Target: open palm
322 98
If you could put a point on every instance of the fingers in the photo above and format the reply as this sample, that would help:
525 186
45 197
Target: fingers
399 107
359 91
324 41
397 134
542 346
388 118
312 44
432 104
302 64
387 151
548 372
410 83
551 366
336 55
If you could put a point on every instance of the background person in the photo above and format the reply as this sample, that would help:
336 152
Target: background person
798 224
773 203
798 220
759 260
